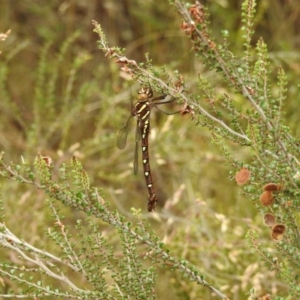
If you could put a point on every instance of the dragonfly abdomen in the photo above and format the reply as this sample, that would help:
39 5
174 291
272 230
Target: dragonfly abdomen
142 112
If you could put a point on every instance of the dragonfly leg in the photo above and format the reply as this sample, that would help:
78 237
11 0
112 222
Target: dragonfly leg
162 100
168 113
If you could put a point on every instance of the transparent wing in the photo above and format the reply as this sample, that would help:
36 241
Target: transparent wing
122 134
136 150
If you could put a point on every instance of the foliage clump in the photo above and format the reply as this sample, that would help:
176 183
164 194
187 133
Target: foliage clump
110 255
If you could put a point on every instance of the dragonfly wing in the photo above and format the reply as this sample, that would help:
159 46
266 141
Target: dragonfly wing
122 134
136 150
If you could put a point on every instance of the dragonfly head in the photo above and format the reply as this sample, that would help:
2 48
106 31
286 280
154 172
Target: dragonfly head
145 93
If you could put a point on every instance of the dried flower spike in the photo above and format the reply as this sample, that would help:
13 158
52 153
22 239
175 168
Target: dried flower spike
47 160
186 109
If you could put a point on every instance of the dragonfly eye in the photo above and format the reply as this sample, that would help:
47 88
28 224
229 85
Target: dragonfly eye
149 92
145 93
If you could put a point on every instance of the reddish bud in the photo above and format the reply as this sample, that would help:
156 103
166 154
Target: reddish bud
242 176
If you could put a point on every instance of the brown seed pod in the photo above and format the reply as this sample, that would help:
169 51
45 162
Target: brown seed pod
242 176
269 219
278 232
272 187
266 198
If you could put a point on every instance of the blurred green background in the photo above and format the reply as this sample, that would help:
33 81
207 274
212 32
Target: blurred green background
61 97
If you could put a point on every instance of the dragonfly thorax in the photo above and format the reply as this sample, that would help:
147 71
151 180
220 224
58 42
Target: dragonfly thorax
141 110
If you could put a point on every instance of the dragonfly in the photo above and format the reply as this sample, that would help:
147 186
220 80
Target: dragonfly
141 111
